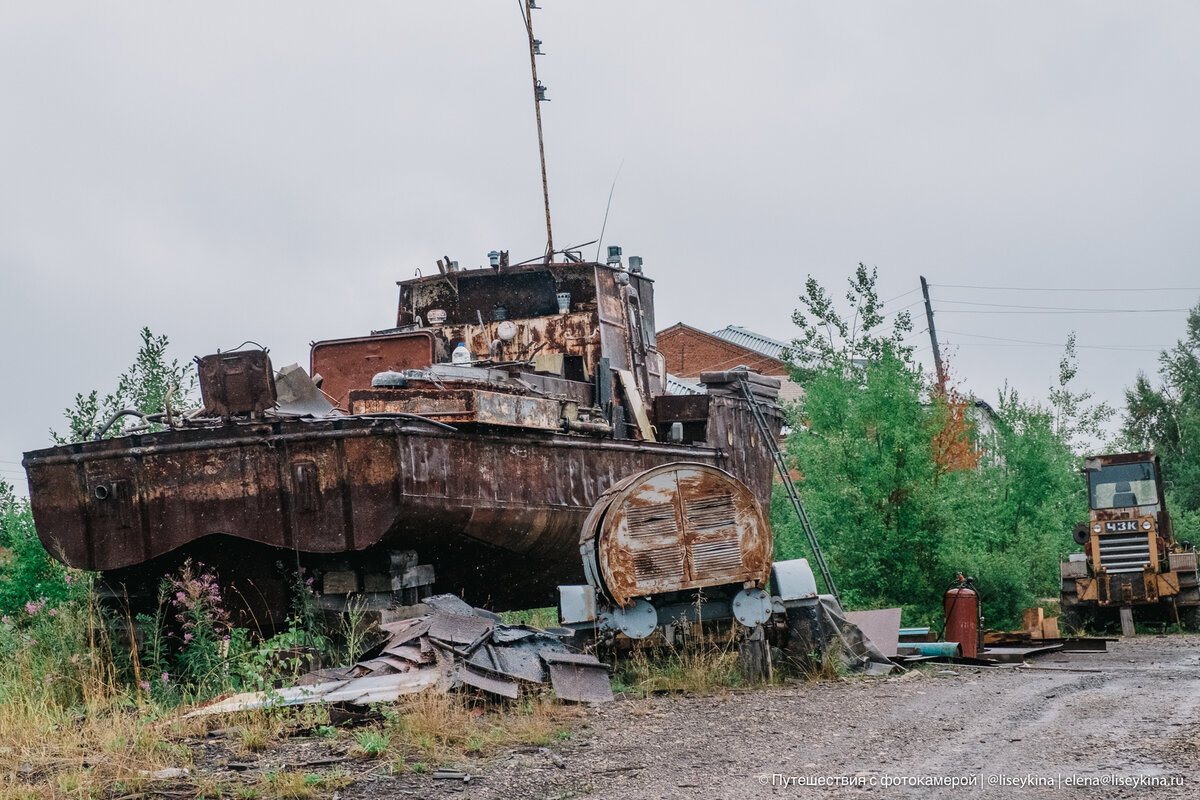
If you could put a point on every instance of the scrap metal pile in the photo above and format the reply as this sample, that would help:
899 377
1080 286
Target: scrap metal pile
454 647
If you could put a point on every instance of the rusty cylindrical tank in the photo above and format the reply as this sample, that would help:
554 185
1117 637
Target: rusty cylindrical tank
675 527
962 617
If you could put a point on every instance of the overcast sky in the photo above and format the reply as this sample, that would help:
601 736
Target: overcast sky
267 171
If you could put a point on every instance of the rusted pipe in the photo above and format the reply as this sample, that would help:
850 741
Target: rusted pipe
127 412
599 428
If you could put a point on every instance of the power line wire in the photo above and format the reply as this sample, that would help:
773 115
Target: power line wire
1062 308
1070 289
1073 311
905 294
1141 348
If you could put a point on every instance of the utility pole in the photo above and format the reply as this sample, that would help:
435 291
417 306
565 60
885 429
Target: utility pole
937 354
539 94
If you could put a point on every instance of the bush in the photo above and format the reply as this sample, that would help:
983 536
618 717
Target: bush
27 571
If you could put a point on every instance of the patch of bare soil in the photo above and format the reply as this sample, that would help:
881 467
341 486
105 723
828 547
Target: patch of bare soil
1080 725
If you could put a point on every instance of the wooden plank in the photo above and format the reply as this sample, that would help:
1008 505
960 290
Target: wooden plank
638 406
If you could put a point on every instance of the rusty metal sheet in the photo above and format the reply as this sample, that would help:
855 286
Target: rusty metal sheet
881 626
670 408
674 527
507 634
462 406
449 604
456 629
409 652
488 683
509 663
405 630
521 662
581 683
347 364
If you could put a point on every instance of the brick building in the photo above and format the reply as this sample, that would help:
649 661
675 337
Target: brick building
690 351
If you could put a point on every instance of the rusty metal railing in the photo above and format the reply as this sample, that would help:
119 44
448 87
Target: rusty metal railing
789 487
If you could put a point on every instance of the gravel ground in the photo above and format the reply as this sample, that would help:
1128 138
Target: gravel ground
1129 714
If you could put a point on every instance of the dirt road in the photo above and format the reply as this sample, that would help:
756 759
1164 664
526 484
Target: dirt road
1128 716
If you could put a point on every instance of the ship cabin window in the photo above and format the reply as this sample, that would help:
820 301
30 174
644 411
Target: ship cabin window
1123 486
466 298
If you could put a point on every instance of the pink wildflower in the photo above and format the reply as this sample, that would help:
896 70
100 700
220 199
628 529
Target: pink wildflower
166 677
145 686
187 637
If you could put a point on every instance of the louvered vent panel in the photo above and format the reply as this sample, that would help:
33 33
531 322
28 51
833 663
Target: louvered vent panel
710 513
658 563
714 558
652 520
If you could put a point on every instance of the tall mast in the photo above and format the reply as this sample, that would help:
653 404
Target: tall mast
539 95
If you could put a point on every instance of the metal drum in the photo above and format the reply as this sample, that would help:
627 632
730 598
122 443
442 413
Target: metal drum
675 527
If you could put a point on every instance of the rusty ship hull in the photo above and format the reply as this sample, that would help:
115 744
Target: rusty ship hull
498 513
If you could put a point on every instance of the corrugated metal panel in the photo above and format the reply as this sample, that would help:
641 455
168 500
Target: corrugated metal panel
771 348
680 386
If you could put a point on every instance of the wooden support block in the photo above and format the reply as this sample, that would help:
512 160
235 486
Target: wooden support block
1127 628
1050 628
377 582
340 582
1032 619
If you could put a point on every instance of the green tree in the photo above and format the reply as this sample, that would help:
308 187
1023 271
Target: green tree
1077 421
144 387
830 339
1166 419
895 518
869 481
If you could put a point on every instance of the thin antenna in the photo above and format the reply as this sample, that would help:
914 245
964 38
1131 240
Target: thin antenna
600 241
539 94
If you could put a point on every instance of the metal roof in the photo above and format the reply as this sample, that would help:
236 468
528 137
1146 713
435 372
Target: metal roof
771 348
681 386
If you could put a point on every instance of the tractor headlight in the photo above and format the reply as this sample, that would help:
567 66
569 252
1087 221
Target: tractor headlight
1145 524
1096 528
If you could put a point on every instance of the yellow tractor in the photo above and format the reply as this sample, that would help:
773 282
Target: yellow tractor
1130 558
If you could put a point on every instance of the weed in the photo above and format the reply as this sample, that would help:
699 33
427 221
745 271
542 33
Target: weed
537 617
371 743
253 739
356 628
700 668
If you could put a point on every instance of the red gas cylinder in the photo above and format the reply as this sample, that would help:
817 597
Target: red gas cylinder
962 617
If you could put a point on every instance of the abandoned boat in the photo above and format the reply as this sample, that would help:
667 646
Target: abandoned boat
459 451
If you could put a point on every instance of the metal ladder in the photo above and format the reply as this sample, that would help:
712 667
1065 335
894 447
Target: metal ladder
788 486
